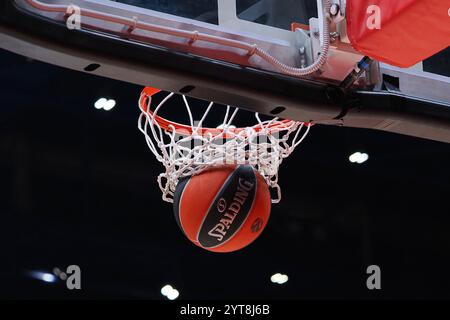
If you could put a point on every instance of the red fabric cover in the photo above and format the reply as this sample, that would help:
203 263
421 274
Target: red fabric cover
411 30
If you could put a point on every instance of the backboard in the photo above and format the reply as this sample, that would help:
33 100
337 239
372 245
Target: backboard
207 49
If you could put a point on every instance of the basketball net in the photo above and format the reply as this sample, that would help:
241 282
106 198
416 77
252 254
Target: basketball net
188 149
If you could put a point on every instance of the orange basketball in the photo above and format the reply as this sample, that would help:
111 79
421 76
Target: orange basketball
223 209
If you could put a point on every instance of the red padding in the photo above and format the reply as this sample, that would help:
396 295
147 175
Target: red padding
410 30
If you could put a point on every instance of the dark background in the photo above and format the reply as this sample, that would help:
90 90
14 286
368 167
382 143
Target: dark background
77 186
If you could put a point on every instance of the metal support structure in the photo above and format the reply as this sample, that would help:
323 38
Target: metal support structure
418 83
421 107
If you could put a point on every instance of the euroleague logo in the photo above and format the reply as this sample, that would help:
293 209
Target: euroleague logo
257 225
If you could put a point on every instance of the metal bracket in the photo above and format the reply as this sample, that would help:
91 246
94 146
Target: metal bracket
315 35
337 14
304 45
337 11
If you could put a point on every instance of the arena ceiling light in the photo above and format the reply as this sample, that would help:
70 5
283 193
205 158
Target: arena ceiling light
169 292
105 104
279 278
43 276
358 157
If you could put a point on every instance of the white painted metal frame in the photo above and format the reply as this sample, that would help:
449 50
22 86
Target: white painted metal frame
279 44
418 83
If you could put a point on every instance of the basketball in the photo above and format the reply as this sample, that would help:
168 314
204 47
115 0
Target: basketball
223 209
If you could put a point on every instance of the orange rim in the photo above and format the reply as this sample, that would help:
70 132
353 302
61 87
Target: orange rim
186 130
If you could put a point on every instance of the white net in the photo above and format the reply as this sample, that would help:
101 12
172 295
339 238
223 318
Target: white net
188 149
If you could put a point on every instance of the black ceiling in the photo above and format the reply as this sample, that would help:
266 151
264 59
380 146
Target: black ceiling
78 187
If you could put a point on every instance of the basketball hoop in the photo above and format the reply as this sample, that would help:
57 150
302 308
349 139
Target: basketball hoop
188 149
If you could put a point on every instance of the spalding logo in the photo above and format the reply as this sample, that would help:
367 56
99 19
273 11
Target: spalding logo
220 230
221 205
230 208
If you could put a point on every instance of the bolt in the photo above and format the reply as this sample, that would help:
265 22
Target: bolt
316 32
334 9
334 36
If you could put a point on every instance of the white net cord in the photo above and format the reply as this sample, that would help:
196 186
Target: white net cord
186 150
